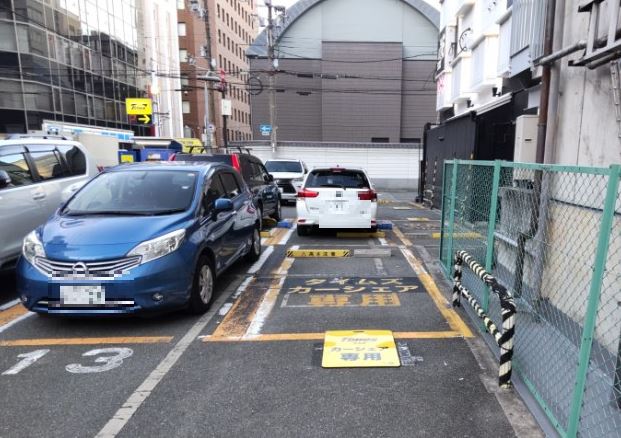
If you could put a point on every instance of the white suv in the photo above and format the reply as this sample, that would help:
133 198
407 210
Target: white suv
34 172
288 175
336 198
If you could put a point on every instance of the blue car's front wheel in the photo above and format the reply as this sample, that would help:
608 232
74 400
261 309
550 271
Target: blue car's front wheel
202 286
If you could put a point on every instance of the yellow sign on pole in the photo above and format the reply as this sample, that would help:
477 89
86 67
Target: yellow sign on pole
138 106
359 348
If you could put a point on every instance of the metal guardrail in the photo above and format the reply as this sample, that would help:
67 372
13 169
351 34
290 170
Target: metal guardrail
504 339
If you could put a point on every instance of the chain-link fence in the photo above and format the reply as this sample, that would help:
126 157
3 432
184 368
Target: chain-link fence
552 236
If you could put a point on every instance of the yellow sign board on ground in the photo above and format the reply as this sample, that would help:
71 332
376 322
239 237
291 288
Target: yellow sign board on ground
359 348
138 106
318 253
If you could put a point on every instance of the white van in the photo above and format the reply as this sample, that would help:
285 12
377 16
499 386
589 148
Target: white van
34 173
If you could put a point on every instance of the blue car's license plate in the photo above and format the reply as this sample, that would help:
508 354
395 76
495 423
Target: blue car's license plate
91 294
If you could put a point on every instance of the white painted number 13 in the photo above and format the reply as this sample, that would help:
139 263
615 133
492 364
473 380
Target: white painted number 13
110 359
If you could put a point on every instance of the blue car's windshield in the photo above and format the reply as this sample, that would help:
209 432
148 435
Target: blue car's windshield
135 192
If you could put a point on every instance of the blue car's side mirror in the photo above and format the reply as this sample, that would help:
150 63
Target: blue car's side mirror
223 204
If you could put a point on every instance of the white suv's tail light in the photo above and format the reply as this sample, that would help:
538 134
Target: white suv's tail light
367 195
305 193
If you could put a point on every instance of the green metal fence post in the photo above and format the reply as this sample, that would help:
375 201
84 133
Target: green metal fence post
601 254
451 227
491 228
447 268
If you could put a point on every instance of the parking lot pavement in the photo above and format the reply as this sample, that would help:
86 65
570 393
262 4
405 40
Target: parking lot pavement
252 365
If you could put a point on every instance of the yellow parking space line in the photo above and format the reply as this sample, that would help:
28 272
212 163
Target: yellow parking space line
401 236
318 253
471 235
241 317
345 234
87 341
236 320
268 233
454 320
12 313
284 267
450 334
276 236
415 205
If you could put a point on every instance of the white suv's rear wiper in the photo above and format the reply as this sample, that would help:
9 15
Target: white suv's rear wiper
338 186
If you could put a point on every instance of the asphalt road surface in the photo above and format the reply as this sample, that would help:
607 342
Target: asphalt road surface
252 366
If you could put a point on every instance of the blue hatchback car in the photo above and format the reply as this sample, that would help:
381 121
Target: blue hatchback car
140 237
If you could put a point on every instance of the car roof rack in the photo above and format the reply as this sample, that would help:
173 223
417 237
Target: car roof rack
41 136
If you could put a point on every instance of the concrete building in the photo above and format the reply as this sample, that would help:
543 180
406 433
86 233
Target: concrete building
489 74
68 61
159 55
349 71
213 35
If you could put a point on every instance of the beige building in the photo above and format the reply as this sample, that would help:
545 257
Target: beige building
214 34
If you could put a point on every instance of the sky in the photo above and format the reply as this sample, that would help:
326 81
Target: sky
288 3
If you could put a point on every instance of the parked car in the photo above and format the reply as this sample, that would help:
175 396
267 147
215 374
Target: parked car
140 237
336 198
288 175
34 172
265 192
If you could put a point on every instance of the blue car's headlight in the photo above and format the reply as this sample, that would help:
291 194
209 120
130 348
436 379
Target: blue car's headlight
158 247
32 247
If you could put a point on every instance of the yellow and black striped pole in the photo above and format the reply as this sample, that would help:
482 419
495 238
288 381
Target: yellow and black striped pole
504 339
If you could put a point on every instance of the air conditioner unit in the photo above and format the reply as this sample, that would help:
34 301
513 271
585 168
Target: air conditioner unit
525 139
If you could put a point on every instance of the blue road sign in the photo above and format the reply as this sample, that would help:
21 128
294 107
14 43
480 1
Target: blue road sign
266 130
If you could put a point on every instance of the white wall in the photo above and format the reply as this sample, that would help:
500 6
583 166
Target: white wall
387 167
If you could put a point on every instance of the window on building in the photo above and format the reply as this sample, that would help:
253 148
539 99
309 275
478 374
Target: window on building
185 106
219 37
181 29
218 7
380 140
183 55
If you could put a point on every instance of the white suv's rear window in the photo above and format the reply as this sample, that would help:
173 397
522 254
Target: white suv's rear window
284 166
347 179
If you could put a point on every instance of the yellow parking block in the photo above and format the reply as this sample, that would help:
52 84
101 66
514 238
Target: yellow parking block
360 234
318 253
87 341
418 219
359 348
471 235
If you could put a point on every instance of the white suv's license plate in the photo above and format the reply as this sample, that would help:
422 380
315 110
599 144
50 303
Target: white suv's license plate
83 294
338 206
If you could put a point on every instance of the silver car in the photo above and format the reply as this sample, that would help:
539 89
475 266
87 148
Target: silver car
34 173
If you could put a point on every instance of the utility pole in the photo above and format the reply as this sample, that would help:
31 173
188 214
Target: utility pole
272 70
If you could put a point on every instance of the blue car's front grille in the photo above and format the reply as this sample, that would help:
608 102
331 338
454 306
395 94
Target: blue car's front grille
108 269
